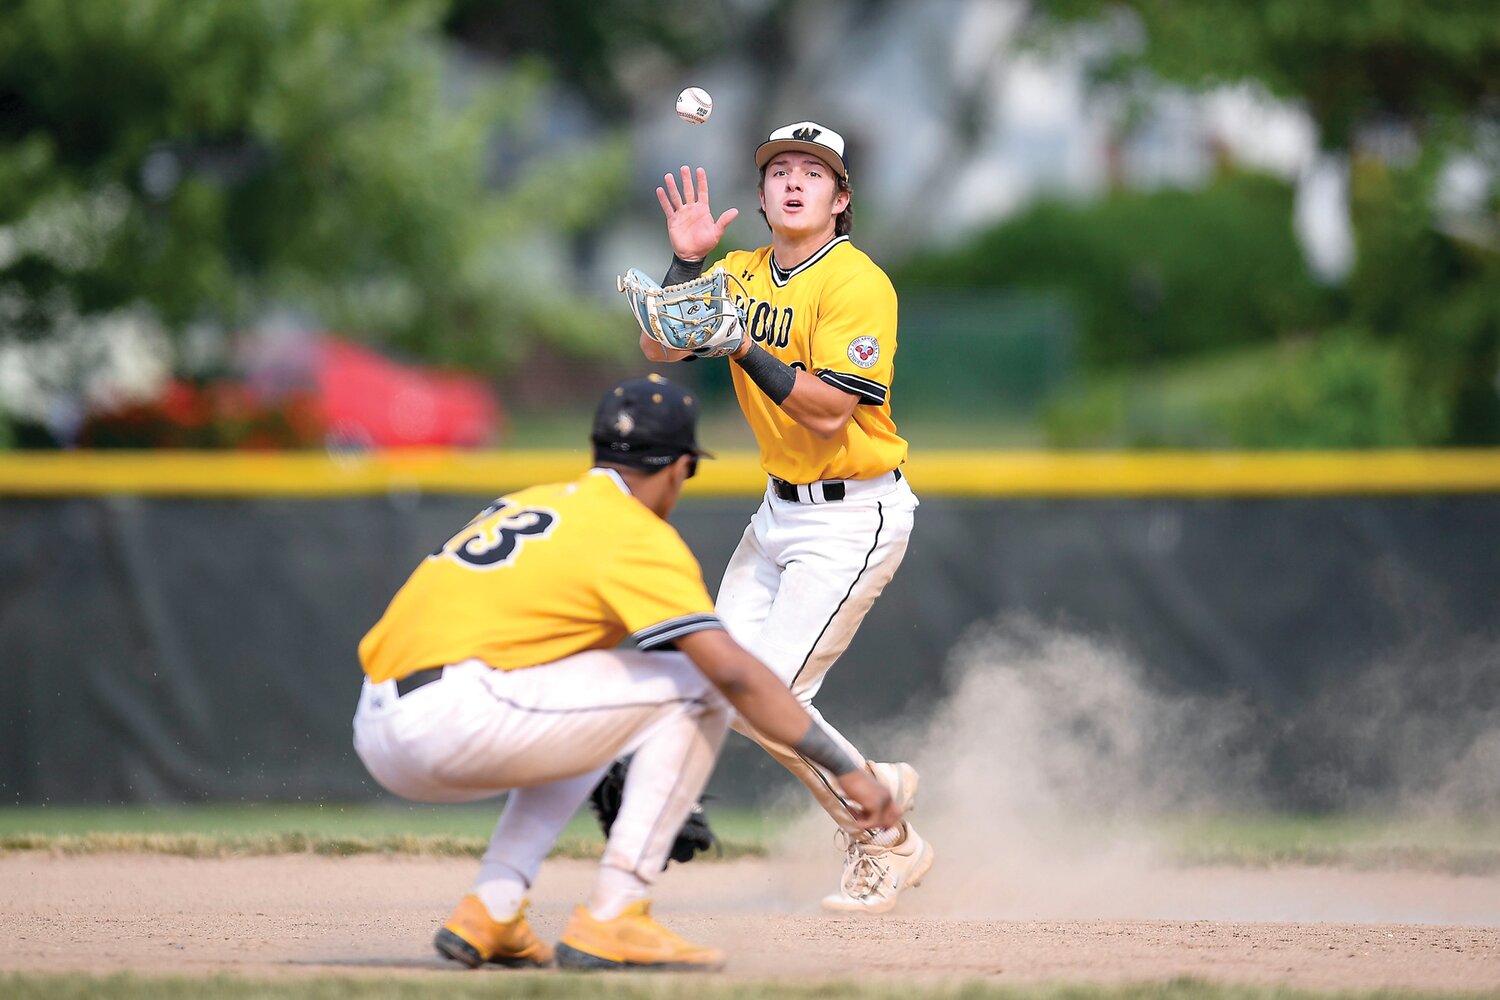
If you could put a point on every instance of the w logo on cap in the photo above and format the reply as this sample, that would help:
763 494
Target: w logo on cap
807 134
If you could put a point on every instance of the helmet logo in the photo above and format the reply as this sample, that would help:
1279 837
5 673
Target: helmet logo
624 423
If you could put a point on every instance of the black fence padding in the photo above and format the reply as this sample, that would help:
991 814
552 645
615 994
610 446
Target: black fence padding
158 650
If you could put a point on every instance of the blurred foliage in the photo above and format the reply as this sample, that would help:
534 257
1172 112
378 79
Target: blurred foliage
208 413
1151 276
1349 63
596 46
1407 350
1431 291
1342 390
212 158
1173 290
1170 404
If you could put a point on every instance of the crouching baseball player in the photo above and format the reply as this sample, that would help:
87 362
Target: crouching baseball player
495 669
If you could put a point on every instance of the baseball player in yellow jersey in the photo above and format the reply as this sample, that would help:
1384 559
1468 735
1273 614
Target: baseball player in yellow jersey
495 669
813 375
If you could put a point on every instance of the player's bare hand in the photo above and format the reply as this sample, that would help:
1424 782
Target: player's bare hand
691 227
873 806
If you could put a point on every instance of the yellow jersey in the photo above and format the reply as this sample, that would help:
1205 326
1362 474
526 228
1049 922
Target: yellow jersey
833 315
542 574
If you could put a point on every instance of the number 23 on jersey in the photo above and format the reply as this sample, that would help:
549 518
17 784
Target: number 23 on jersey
496 534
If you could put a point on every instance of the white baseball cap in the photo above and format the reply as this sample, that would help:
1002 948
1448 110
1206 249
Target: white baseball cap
807 137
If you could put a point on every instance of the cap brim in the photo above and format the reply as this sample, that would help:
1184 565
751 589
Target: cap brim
768 150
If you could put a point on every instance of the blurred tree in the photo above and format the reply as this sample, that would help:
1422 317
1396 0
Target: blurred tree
1349 63
1398 90
596 45
209 159
1342 391
1146 271
1431 289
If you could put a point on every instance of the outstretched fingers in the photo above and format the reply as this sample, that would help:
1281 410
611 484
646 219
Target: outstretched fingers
690 221
669 197
672 200
691 191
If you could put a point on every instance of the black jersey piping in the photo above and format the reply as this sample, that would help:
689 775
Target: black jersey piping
780 277
835 792
868 390
880 510
675 628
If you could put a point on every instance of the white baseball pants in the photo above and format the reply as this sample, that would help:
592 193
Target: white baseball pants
799 584
547 734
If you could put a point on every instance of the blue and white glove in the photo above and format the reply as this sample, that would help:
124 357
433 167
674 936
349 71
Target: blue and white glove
703 316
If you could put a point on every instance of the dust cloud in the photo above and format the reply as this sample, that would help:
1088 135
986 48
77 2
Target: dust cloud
1416 732
1047 771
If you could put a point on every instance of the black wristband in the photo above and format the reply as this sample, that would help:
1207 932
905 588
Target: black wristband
683 270
818 747
774 376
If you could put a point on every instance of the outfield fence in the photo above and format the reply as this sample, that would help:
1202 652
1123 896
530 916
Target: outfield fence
182 627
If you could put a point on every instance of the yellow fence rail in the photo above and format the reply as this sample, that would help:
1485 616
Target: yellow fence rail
933 473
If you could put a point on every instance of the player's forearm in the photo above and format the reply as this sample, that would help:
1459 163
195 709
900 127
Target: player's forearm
761 697
655 351
819 407
805 398
774 712
766 704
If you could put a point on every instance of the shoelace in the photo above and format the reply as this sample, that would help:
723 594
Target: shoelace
863 871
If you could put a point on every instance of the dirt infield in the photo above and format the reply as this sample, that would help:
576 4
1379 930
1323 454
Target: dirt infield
1312 928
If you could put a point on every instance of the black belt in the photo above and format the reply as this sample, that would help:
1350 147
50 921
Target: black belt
833 489
406 685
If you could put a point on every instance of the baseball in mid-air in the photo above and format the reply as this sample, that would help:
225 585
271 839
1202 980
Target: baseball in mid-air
694 105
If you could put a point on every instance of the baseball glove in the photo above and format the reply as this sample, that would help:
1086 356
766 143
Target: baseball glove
701 315
694 837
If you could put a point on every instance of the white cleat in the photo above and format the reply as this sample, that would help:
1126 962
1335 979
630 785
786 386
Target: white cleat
875 876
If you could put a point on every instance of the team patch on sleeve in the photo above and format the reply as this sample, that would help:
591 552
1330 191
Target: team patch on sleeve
669 631
864 351
868 390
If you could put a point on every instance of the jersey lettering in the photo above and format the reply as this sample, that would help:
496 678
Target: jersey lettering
497 544
769 325
813 314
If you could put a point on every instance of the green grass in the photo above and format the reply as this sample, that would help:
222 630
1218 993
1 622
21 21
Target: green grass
1350 841
220 830
1458 846
556 986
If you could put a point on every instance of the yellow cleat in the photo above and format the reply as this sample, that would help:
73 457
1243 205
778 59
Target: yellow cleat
473 937
631 941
